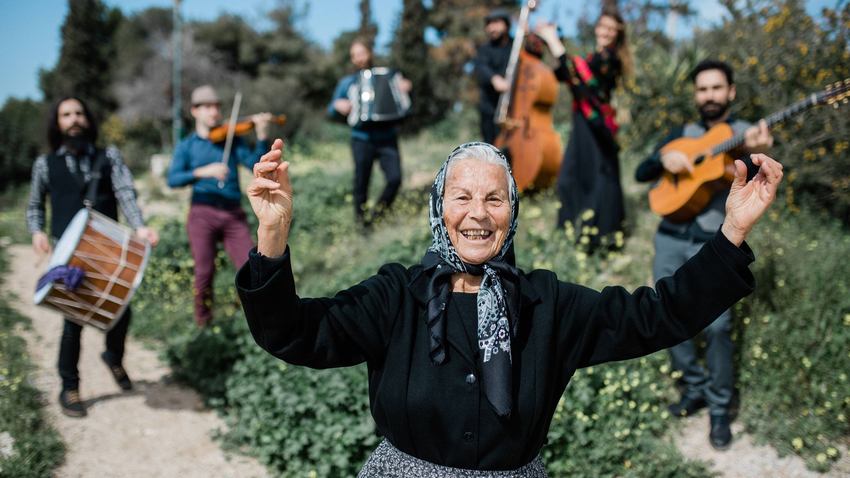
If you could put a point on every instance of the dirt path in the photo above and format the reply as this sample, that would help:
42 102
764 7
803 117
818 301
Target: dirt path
745 459
158 429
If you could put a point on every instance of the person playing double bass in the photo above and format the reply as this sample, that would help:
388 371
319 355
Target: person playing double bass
589 179
216 214
491 61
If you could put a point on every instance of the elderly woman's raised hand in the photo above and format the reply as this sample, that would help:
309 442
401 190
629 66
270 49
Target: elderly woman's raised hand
270 194
748 200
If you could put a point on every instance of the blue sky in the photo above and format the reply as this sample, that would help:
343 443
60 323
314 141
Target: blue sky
29 29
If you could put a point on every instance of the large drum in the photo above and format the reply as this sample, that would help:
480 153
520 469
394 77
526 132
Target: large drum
113 261
376 97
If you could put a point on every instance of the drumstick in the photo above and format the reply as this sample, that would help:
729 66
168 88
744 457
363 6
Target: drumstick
231 129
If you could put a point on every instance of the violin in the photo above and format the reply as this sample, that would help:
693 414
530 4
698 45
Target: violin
524 114
242 126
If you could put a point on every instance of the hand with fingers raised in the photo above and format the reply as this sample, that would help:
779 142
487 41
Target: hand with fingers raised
270 194
748 200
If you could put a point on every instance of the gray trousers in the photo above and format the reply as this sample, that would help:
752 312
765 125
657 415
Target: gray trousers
717 384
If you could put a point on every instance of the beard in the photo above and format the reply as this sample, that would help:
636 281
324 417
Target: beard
76 141
711 111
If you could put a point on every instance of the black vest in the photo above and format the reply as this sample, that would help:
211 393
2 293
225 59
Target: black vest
68 190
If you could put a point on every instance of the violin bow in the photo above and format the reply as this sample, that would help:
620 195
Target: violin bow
231 129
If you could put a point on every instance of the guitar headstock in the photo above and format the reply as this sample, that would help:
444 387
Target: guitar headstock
836 94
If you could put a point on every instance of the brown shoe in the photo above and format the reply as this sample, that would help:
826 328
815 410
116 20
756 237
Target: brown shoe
118 373
71 404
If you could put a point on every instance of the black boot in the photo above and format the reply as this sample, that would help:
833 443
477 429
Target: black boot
686 407
721 433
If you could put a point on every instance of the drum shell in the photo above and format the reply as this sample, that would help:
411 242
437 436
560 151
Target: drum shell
113 261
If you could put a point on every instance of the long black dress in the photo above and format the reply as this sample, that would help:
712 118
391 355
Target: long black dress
589 180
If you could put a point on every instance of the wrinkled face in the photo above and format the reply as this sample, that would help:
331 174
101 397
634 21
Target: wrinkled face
606 32
361 58
207 114
72 118
495 29
713 94
477 209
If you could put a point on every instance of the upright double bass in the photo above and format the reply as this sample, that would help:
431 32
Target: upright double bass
524 114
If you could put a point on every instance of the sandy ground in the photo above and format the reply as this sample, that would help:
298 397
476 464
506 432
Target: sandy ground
745 459
158 429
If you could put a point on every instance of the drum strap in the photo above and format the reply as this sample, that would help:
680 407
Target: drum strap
96 172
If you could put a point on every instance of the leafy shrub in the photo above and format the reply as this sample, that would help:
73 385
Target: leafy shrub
29 446
793 337
300 421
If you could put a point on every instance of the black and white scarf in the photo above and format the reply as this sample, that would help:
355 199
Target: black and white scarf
498 296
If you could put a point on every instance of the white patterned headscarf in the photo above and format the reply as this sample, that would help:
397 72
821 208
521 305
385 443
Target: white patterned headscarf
498 294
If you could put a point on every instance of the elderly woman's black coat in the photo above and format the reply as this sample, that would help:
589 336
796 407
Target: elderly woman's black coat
439 413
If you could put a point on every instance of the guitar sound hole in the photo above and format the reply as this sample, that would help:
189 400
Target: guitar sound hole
699 159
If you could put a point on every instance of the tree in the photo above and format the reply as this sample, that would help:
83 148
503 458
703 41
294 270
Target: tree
21 139
367 28
408 51
86 59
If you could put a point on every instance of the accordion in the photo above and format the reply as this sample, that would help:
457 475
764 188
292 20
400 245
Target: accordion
376 97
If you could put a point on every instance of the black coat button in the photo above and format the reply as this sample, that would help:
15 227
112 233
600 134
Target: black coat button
467 436
470 379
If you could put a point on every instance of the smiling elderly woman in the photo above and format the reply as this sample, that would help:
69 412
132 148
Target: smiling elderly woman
467 355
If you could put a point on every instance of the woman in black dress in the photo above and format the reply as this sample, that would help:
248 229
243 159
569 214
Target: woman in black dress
589 181
468 356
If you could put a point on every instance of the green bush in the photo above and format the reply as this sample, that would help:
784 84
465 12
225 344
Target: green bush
29 446
298 420
793 335
608 423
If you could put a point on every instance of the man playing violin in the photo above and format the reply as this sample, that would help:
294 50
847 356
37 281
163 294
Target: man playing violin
676 242
215 214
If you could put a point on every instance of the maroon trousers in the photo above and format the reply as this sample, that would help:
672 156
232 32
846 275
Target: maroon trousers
207 226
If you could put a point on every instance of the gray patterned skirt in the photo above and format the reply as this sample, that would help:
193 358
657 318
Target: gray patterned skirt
388 461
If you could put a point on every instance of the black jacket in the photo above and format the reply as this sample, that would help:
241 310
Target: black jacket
439 413
490 60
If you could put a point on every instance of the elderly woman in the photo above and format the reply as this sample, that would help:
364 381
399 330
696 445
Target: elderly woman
467 355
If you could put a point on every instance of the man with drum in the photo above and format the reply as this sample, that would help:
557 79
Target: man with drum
73 170
216 213
369 141
491 62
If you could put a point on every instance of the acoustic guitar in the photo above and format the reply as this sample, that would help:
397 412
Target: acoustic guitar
681 196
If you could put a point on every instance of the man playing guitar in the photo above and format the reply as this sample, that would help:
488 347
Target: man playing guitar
676 242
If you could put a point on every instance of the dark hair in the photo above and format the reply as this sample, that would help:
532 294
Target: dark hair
366 42
706 65
621 44
54 133
498 14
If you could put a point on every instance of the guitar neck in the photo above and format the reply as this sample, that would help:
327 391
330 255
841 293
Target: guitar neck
771 120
